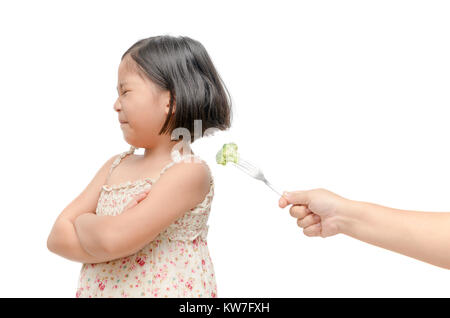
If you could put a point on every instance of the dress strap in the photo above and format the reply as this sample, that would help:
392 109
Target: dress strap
119 158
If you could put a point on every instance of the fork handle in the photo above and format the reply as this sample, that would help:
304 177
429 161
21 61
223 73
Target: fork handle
272 187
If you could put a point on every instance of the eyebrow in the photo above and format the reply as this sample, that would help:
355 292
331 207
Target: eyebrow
121 85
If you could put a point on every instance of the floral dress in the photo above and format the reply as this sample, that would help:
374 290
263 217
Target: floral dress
175 264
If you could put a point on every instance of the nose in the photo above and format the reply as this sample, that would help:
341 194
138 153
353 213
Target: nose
117 107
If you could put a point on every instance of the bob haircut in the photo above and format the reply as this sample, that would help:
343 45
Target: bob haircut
182 66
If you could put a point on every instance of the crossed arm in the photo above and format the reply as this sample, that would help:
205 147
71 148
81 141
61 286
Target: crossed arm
67 244
90 238
178 190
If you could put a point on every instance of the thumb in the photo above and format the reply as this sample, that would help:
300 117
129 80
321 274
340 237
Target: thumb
297 197
283 202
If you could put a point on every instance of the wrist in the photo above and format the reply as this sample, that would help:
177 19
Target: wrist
348 214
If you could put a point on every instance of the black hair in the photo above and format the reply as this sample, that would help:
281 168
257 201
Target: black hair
182 66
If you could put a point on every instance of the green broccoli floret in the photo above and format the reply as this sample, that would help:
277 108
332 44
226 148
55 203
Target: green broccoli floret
228 153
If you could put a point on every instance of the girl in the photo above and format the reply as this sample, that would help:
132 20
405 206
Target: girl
140 225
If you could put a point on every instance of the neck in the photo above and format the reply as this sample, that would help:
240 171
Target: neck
164 149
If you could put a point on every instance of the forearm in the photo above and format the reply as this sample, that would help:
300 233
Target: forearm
92 234
65 242
422 235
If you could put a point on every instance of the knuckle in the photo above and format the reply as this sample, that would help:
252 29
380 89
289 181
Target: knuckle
292 210
308 219
297 211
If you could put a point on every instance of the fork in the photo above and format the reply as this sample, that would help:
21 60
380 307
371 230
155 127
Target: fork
255 172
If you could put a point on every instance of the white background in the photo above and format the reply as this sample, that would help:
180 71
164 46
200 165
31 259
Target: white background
351 96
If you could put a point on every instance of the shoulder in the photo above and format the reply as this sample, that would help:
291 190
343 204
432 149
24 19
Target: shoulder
106 166
192 174
195 169
118 158
112 159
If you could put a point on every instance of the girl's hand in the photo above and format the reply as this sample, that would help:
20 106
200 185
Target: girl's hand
135 201
318 211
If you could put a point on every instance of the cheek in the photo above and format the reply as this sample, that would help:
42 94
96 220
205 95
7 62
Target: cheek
149 119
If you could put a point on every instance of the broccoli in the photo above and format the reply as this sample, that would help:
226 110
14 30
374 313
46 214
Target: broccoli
228 153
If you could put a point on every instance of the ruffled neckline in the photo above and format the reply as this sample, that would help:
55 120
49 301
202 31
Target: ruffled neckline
128 184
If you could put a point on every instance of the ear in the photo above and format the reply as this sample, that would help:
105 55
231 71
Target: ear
167 108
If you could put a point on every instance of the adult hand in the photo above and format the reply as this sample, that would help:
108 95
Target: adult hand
318 211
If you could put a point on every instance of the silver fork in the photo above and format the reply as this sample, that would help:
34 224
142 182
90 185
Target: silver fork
254 172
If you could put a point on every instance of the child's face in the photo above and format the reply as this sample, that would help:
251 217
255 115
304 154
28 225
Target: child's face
141 104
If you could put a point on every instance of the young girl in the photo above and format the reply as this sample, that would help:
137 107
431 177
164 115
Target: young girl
140 227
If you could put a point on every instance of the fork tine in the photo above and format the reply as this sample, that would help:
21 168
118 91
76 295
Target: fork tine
245 162
244 169
255 168
252 170
243 165
248 165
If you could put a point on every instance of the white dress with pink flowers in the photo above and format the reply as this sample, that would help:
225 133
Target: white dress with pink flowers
175 264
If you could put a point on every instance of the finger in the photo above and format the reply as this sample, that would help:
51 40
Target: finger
298 197
308 220
283 202
140 197
136 199
131 204
313 230
299 211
